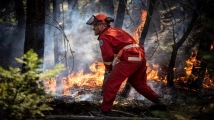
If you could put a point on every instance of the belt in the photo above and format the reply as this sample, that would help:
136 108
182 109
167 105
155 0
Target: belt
116 59
131 46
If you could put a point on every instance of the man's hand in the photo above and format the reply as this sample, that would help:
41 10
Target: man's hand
106 74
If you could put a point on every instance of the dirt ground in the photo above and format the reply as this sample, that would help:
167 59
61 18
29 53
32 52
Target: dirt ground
192 105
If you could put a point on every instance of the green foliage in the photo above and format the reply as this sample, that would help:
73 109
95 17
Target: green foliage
21 95
1 21
8 19
12 18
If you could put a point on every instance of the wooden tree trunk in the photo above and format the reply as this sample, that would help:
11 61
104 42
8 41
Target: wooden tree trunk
72 6
20 33
120 14
170 72
47 17
92 7
196 78
48 38
47 11
56 15
127 87
148 19
136 13
108 7
198 71
34 35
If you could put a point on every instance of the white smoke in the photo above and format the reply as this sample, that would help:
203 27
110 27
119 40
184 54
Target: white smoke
84 44
86 49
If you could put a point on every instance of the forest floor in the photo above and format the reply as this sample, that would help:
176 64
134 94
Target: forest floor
185 104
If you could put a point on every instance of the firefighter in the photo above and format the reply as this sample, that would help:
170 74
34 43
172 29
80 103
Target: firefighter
129 62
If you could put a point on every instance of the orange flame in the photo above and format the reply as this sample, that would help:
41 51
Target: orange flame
190 62
50 85
95 78
207 82
139 29
79 79
212 46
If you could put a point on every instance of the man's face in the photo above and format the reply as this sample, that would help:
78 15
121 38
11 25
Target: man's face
96 29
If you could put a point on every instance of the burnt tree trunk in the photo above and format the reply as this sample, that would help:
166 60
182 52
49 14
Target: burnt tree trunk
170 72
127 87
120 14
20 32
92 7
34 34
56 15
146 25
48 38
196 78
72 6
136 12
47 11
108 7
47 17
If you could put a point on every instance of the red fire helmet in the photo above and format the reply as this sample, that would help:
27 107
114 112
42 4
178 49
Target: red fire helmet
99 19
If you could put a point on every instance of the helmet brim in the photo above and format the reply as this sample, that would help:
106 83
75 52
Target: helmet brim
93 20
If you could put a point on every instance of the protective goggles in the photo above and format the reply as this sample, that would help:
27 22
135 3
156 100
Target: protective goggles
93 21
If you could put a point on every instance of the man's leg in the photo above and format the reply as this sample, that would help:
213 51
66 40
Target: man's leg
138 81
121 71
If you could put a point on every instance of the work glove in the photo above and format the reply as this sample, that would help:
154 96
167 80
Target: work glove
106 74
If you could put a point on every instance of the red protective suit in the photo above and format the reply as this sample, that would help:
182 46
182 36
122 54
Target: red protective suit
132 65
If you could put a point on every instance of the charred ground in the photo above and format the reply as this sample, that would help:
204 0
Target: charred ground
182 103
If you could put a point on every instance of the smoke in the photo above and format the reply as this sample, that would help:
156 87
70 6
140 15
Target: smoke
81 40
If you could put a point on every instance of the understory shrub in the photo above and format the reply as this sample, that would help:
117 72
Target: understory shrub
21 90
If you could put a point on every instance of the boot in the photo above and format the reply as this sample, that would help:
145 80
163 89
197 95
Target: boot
159 101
